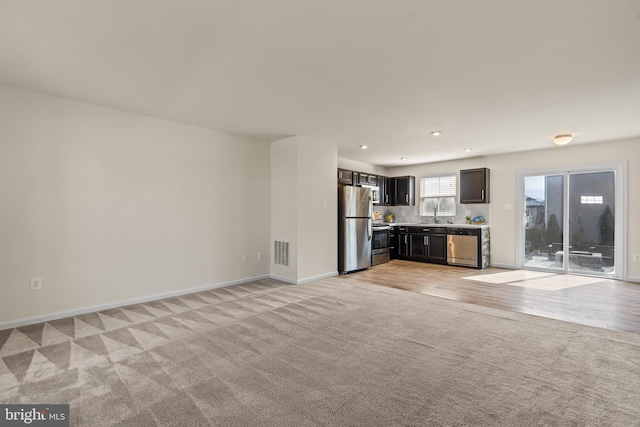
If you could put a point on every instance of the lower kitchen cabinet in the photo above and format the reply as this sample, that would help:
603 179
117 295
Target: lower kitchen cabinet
430 243
437 248
418 247
403 242
393 243
421 244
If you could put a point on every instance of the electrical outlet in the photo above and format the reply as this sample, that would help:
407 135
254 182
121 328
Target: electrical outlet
324 205
35 283
259 255
467 213
636 257
245 258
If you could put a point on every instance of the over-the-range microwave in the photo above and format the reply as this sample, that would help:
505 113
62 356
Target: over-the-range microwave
375 192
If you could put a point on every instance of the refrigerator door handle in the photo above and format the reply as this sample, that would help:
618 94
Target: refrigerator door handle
370 222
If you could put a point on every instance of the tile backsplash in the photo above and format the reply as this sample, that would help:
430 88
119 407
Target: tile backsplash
411 213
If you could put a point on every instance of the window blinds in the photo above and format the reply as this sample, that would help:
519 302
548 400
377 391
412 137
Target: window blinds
438 186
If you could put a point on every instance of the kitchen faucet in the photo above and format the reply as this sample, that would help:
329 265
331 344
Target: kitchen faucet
435 214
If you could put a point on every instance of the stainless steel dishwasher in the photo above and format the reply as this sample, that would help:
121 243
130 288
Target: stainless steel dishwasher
462 247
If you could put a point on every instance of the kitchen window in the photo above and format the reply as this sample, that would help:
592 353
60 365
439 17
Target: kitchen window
438 195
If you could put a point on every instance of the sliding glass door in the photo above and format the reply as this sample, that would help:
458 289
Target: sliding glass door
543 219
592 222
571 221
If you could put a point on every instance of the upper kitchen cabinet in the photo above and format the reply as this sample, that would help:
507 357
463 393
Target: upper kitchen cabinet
474 186
382 186
402 190
366 178
345 177
398 191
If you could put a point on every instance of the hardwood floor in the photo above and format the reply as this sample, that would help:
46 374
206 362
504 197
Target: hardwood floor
605 303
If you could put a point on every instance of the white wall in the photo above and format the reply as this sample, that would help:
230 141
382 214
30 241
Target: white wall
317 209
284 204
304 207
108 206
362 167
503 187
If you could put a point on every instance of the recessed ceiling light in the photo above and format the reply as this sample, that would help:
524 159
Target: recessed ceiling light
364 147
468 150
563 139
436 133
403 158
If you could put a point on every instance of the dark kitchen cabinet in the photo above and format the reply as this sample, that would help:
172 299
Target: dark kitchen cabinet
474 186
362 178
398 191
437 248
386 192
402 190
345 176
428 244
366 179
403 243
382 181
418 246
393 242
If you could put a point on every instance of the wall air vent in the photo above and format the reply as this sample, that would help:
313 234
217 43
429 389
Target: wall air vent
281 253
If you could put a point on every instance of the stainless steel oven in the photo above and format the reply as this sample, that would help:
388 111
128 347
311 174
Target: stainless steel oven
380 251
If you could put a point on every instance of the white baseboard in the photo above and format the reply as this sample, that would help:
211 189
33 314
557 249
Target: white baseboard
632 279
505 266
101 307
318 277
303 281
284 279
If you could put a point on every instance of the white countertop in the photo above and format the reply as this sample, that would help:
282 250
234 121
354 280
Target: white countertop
413 224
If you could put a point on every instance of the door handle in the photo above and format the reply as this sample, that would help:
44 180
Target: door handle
482 195
425 241
406 198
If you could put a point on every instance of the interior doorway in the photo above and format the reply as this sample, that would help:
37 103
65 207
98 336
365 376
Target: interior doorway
573 221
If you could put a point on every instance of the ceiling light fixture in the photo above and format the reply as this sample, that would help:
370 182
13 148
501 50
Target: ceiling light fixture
436 133
364 147
563 139
468 150
403 158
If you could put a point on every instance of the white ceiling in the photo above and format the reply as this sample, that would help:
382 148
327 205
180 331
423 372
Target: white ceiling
493 75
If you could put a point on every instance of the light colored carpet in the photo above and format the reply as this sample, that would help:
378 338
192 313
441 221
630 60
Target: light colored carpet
325 353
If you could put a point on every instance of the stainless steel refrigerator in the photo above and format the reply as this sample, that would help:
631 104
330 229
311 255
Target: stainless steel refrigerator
354 228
